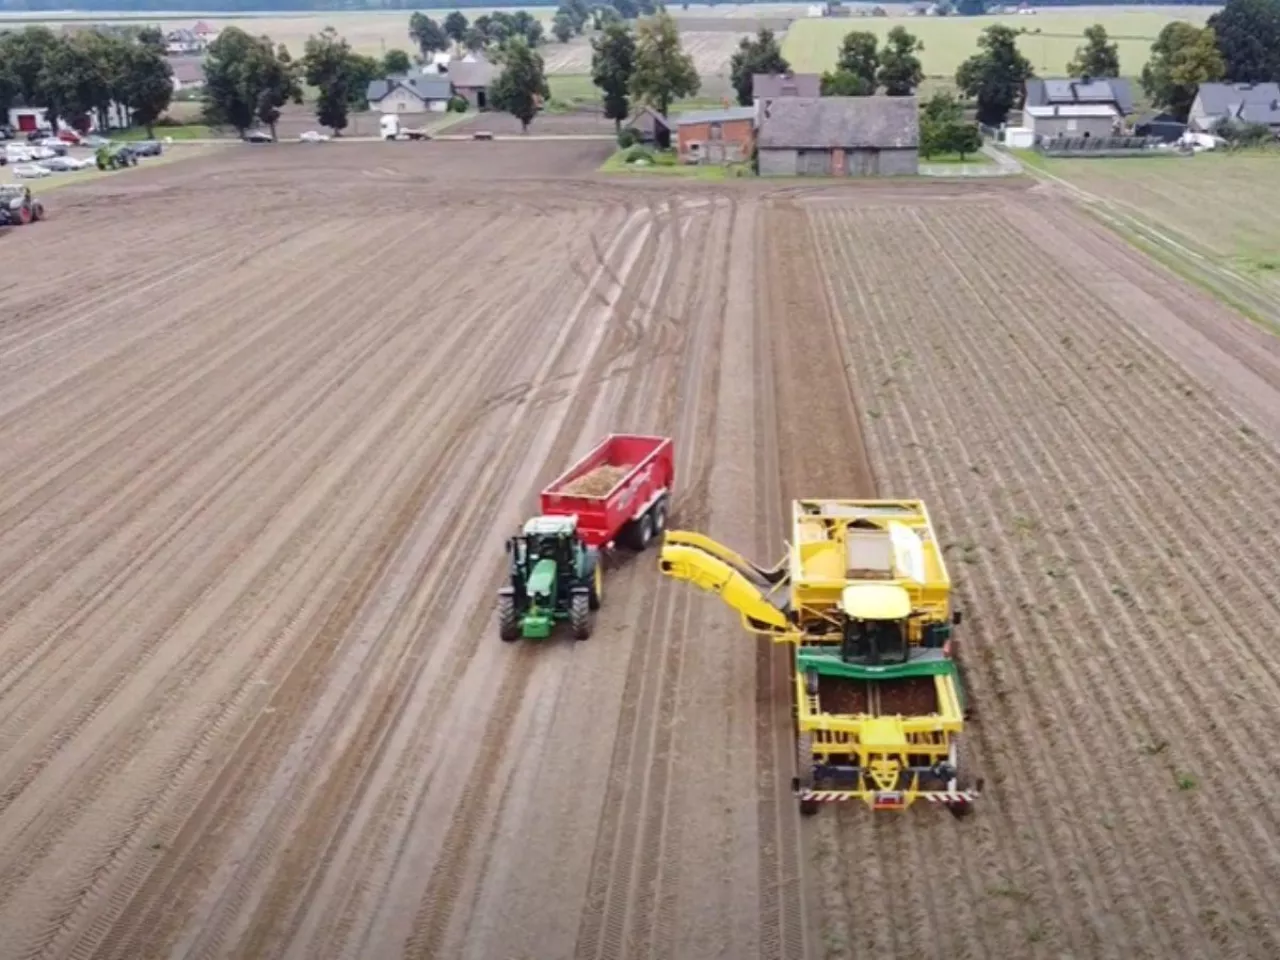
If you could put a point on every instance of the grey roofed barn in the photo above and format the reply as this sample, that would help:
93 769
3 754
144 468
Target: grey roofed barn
847 122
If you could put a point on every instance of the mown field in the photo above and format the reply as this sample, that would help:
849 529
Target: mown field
1207 204
812 45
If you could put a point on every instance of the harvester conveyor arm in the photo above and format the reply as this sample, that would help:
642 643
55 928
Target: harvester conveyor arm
685 557
772 576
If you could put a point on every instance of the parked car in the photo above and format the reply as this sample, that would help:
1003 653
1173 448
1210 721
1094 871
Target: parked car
35 136
17 206
259 136
69 136
93 141
53 143
6 132
58 164
30 171
17 153
147 148
312 136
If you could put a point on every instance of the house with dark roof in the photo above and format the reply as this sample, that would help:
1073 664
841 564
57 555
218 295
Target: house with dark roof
412 93
187 72
652 126
839 136
1081 91
715 136
472 76
1255 103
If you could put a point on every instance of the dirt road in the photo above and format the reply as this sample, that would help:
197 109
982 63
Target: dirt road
260 451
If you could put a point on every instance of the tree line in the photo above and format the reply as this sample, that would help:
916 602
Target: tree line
81 76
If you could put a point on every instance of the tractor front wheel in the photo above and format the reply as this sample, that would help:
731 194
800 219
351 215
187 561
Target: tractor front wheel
596 596
580 616
508 622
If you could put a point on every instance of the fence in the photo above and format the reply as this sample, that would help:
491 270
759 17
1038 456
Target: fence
1099 146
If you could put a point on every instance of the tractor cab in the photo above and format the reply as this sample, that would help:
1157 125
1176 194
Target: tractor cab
545 547
554 575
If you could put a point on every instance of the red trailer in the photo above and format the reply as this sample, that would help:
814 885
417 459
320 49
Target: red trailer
620 491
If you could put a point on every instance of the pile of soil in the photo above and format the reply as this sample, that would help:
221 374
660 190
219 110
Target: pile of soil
596 482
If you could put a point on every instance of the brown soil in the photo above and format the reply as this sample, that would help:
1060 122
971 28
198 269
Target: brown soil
254 480
595 483
911 697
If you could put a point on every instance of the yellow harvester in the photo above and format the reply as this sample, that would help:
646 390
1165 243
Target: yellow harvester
863 594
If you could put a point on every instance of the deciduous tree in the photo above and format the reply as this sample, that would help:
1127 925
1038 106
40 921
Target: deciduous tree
1183 57
1097 57
900 70
759 54
1248 37
328 65
427 34
562 27
522 85
841 83
613 60
663 71
455 26
147 85
996 75
396 61
859 56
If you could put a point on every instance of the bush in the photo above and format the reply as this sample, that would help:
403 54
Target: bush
458 104
628 137
636 153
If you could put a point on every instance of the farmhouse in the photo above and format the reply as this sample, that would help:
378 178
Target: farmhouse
840 136
1240 102
715 136
1072 120
188 73
1082 91
415 93
471 77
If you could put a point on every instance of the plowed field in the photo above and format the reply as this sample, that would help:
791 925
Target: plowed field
260 450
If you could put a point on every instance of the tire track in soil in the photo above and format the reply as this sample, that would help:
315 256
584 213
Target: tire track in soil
249 755
827 460
272 916
638 858
430 925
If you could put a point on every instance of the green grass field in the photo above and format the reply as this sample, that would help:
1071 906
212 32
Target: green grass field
812 45
1210 201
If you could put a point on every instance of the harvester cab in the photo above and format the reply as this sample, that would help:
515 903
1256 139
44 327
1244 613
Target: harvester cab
553 576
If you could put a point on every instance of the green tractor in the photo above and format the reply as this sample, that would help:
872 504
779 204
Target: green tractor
116 156
554 576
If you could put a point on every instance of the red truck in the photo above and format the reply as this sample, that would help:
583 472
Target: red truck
619 493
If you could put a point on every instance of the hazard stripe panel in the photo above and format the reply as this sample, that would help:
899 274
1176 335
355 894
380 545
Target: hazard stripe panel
939 796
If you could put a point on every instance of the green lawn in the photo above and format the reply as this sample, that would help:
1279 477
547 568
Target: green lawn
570 91
1051 41
188 131
664 163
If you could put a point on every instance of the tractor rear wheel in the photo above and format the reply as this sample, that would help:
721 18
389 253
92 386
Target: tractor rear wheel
508 622
37 211
580 615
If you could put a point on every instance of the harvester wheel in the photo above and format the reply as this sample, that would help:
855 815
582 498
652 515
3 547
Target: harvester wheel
804 772
596 596
964 778
508 622
580 615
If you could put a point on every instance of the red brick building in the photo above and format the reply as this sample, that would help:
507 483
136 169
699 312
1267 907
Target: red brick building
715 136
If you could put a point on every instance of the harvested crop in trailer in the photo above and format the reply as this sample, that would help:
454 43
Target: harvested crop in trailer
597 482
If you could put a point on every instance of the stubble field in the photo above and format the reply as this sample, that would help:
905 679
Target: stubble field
260 467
